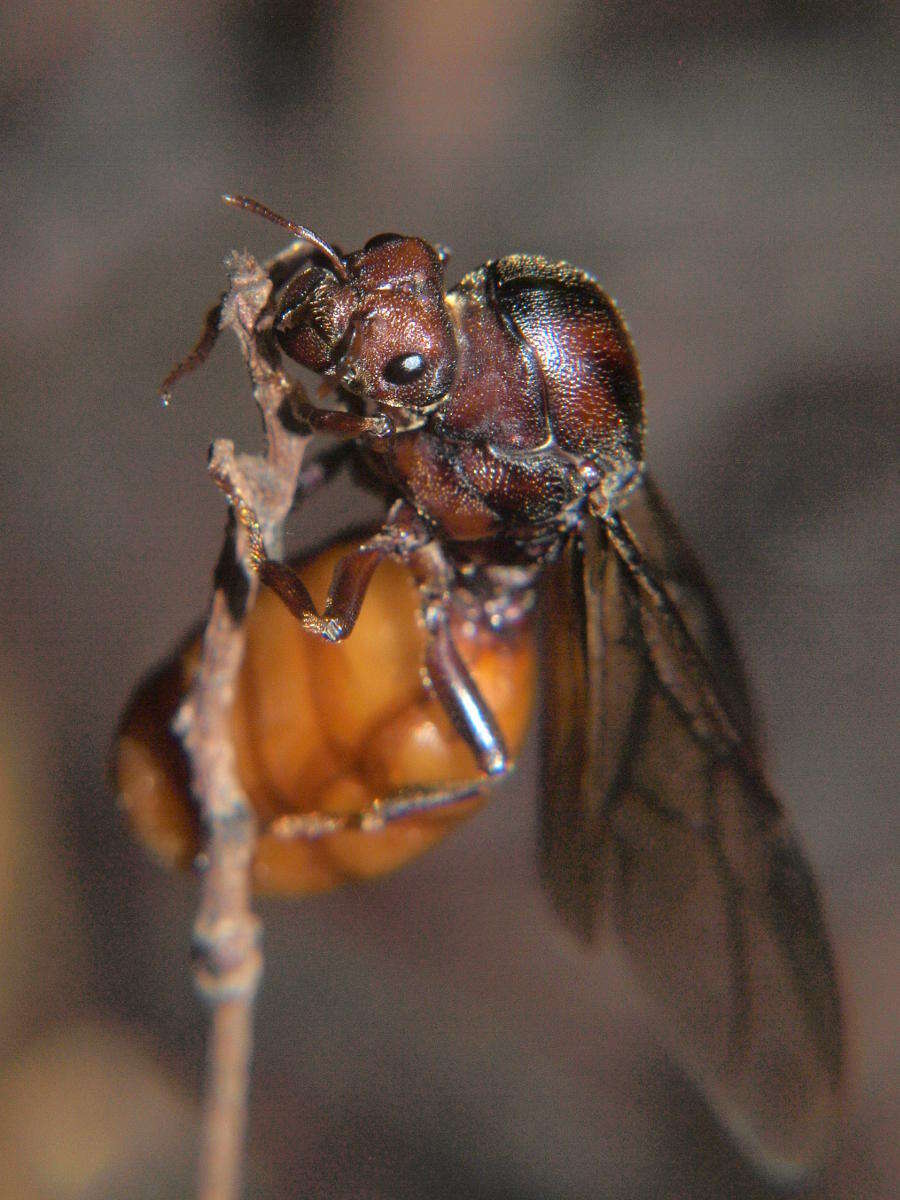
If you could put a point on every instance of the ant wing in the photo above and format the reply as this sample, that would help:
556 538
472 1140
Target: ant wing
656 818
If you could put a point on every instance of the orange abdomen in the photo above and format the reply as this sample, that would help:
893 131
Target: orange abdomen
321 727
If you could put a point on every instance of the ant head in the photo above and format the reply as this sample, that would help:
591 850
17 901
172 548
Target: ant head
375 321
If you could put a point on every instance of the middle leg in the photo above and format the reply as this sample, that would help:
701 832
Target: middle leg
401 535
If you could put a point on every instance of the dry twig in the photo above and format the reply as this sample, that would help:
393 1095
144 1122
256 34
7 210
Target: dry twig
226 940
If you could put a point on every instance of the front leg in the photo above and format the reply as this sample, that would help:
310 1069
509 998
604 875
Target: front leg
301 416
279 269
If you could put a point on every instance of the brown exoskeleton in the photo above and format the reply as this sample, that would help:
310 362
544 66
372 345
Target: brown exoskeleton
506 416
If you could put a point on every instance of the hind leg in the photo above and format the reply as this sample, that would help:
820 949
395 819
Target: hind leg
472 718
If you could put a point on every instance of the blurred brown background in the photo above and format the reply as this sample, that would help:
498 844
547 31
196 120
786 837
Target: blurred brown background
727 174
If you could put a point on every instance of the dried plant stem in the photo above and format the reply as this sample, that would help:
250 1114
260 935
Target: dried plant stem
226 941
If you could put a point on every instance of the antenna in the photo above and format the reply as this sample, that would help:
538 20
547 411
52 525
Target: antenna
300 231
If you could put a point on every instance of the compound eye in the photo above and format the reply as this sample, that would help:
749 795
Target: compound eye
405 368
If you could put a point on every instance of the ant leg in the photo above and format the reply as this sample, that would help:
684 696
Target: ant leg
459 695
198 355
409 802
351 577
279 269
299 415
473 720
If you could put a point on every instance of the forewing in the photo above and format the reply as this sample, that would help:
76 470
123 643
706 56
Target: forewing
656 815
